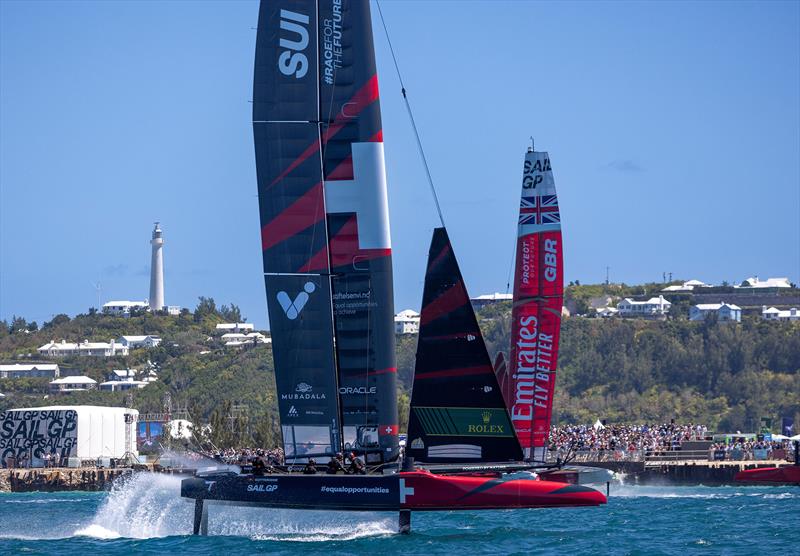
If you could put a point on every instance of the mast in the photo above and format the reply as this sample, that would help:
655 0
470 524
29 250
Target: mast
325 227
536 312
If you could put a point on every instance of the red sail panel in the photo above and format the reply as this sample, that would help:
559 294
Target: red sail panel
536 314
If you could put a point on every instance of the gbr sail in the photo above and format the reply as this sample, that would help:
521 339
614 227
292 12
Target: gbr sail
325 227
529 375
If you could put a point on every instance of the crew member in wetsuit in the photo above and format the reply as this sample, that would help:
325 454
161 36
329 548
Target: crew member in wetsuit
310 468
336 464
357 466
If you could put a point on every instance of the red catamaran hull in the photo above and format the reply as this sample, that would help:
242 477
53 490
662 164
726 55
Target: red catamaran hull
413 490
789 474
471 492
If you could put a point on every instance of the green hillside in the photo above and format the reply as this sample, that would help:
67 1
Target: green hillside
725 375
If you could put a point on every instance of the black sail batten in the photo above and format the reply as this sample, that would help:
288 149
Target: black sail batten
324 227
457 410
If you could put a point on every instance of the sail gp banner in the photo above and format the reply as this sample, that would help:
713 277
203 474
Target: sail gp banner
36 433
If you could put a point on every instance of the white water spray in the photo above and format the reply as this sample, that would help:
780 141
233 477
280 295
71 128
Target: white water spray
149 505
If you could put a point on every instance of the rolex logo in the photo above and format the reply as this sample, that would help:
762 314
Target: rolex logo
487 416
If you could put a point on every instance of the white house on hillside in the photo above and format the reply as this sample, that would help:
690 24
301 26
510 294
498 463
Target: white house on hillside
755 283
654 307
72 384
406 322
236 339
34 370
133 342
123 308
776 314
487 299
235 327
86 348
723 311
606 312
686 286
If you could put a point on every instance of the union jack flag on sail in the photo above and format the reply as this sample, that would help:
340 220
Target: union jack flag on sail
539 210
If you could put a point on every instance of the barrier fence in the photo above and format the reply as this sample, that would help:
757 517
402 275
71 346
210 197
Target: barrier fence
665 456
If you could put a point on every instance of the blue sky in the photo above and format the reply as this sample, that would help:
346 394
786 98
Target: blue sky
673 128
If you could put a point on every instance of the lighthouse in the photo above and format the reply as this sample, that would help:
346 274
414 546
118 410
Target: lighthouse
157 270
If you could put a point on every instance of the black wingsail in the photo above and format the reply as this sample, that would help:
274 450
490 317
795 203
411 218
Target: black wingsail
324 227
457 410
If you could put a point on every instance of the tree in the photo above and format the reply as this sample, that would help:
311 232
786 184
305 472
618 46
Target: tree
231 314
205 308
18 324
58 320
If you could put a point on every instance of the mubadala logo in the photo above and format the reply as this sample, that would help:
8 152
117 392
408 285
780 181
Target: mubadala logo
262 488
363 390
293 61
303 391
293 411
293 307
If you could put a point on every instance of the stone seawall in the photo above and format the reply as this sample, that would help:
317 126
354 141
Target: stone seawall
682 472
58 479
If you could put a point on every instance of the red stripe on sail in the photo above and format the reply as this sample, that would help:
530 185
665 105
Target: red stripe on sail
344 246
450 300
303 213
318 262
344 171
311 149
439 257
464 371
362 98
344 250
377 372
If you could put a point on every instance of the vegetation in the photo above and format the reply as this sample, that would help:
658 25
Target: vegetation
725 375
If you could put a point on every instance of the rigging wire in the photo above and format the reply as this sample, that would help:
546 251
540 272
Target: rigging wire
411 116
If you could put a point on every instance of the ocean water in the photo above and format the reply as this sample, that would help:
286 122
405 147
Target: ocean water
146 516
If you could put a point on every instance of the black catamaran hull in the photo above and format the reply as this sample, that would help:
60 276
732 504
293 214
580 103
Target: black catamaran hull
401 492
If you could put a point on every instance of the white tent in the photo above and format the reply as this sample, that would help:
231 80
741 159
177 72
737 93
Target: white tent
598 426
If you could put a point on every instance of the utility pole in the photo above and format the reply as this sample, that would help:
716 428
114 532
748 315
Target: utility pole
607 269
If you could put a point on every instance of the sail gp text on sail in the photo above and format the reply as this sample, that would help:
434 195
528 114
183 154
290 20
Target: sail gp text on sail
533 368
332 42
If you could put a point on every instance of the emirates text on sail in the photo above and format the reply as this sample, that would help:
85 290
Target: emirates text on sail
533 369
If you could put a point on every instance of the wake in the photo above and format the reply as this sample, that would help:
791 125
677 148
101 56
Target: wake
702 492
149 506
